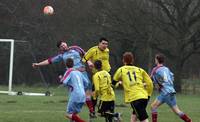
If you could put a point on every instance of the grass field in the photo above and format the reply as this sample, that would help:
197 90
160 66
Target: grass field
52 108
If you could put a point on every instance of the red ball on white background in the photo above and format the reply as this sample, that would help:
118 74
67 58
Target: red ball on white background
48 10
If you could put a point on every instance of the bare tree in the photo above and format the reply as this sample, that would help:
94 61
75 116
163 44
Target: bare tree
178 25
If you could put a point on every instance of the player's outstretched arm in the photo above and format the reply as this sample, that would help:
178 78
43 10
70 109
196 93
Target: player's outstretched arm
42 63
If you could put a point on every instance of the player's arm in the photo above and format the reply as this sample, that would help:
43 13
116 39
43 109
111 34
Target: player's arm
117 78
148 83
48 61
87 57
96 86
65 79
42 63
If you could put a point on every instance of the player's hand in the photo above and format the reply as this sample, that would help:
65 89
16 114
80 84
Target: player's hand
94 95
60 80
35 65
90 64
60 77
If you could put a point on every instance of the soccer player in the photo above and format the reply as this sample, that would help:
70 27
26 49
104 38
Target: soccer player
163 78
102 84
136 93
75 53
100 52
76 82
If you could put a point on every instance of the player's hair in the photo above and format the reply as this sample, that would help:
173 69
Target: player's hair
160 58
103 39
98 64
59 43
128 58
69 63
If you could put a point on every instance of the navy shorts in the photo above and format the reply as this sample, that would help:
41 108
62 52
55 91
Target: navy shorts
139 108
106 106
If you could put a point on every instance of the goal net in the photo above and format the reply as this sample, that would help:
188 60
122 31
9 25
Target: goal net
16 72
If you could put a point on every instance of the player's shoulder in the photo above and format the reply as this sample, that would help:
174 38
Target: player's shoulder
131 67
121 68
139 69
94 48
77 73
69 51
162 69
105 72
74 47
107 50
77 48
102 73
96 73
74 71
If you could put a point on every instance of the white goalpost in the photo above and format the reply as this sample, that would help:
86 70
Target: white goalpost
10 79
10 66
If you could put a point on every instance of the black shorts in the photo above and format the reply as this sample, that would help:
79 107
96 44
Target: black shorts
139 108
106 106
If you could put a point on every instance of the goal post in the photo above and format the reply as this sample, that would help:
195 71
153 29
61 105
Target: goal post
11 41
10 91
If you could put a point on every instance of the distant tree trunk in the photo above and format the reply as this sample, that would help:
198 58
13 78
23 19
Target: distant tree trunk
178 77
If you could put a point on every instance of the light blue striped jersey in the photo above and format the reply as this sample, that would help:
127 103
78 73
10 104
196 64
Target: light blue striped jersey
76 83
162 76
73 54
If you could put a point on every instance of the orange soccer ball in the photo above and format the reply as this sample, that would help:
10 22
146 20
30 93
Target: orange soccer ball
48 10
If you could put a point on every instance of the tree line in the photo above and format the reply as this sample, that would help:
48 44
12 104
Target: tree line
144 27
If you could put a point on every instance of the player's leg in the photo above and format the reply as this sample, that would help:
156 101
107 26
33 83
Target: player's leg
101 110
171 101
88 91
109 107
133 115
73 108
133 118
94 101
89 102
139 106
74 117
154 106
106 109
182 115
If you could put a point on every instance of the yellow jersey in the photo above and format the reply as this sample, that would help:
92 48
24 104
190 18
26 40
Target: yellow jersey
94 54
136 83
102 84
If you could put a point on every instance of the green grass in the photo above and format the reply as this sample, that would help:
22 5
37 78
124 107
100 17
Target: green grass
52 108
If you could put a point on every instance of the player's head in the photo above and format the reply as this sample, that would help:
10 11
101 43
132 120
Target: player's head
69 63
103 43
128 58
98 64
159 58
62 45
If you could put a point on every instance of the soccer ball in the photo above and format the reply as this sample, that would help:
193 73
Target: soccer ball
48 10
